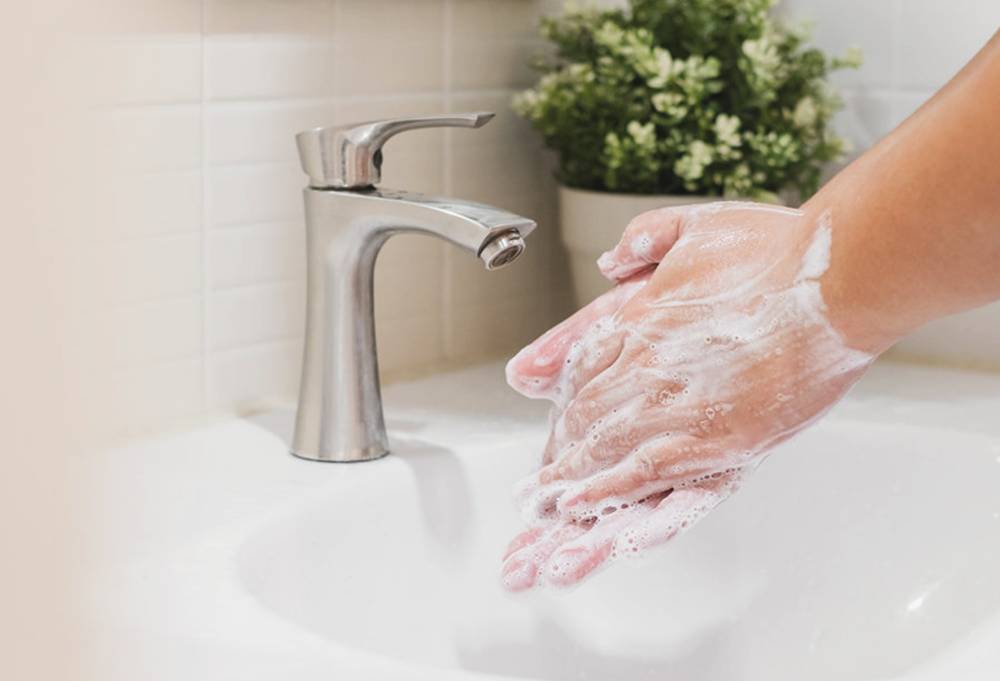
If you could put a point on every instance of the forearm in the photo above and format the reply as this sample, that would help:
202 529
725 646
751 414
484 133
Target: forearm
917 218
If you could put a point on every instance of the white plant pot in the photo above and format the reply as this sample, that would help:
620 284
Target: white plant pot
592 222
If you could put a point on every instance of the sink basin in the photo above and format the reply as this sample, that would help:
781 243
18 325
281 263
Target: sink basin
860 550
867 548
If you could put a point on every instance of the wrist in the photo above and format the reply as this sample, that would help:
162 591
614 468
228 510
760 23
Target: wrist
858 305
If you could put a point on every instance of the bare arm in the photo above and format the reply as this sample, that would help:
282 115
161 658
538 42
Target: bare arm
736 325
917 217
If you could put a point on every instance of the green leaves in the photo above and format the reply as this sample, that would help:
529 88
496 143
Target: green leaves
709 97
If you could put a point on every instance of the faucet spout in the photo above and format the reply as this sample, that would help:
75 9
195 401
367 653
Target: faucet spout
340 407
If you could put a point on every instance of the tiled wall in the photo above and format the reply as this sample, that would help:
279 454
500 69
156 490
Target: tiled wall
199 100
203 206
911 48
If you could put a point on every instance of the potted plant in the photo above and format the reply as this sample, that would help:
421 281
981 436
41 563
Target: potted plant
668 102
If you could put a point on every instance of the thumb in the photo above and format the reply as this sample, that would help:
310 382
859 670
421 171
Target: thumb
645 242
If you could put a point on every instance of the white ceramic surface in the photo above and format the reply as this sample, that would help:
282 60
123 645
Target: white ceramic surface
867 548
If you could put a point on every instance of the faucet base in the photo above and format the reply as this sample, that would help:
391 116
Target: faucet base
352 456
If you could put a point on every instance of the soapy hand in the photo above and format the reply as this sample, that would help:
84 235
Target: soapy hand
669 389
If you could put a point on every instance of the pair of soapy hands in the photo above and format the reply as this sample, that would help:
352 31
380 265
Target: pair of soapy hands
713 347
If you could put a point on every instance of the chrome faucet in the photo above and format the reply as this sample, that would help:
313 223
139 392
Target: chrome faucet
347 220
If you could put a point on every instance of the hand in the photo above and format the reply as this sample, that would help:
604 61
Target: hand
670 388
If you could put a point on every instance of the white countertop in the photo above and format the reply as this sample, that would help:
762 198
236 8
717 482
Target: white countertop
164 519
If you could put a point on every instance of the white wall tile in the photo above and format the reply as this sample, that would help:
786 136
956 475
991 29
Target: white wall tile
389 47
405 343
151 138
150 70
148 17
157 331
158 267
242 132
159 395
268 17
244 68
251 254
938 38
492 49
204 211
240 194
150 204
255 314
838 25
253 377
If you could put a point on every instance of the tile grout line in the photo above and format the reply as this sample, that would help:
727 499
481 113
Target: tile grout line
205 210
447 342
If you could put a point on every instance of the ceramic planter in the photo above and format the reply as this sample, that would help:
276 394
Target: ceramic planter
592 222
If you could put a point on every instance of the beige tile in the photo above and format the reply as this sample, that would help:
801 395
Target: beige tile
242 132
936 39
389 46
836 28
492 63
157 396
309 17
479 331
504 158
268 67
150 138
254 377
242 194
150 204
157 331
255 314
256 254
515 18
409 277
493 44
163 17
155 268
408 344
148 70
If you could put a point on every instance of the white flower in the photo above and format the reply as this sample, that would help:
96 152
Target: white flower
692 165
805 113
765 61
762 53
727 130
669 103
644 135
610 35
663 68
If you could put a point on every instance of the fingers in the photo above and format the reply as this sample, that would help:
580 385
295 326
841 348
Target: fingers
645 241
521 567
565 357
659 465
676 513
579 557
570 550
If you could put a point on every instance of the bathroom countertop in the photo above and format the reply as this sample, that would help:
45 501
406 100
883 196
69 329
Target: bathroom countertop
163 521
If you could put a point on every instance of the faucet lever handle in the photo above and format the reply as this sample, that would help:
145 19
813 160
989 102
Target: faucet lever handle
350 156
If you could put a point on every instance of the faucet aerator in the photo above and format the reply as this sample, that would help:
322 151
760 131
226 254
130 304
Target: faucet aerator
502 250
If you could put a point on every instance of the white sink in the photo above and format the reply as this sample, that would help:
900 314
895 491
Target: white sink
867 548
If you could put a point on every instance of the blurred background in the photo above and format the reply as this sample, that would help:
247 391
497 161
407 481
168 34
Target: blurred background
153 268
